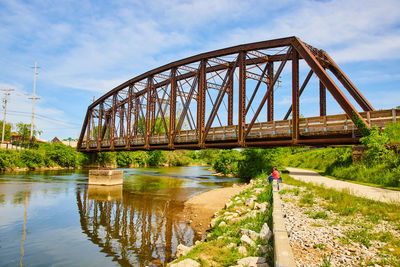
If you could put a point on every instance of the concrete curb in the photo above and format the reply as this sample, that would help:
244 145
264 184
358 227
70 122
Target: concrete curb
283 255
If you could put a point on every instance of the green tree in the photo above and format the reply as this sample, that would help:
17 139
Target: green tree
25 131
7 130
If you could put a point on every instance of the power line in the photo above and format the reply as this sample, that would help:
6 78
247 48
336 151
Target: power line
33 97
6 94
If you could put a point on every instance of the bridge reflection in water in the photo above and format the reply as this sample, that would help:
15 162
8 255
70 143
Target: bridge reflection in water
134 228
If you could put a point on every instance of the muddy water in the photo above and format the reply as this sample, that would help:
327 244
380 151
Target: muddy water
55 218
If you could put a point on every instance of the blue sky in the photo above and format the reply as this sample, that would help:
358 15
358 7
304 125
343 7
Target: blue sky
85 48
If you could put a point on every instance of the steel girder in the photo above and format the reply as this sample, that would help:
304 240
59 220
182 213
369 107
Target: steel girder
198 94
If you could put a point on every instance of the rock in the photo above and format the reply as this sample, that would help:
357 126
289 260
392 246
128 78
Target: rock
252 214
222 224
228 204
352 249
242 250
186 263
246 240
253 262
213 221
261 206
231 245
264 249
257 191
250 202
182 250
253 235
265 233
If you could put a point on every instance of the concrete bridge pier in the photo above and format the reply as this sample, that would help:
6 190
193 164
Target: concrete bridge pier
106 177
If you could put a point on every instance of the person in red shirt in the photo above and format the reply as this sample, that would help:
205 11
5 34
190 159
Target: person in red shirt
274 175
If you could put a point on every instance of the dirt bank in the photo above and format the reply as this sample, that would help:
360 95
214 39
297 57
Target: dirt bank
200 208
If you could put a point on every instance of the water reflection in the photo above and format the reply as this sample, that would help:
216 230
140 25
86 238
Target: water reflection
135 230
45 217
105 192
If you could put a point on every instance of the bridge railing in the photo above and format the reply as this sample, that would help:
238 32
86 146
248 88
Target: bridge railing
311 126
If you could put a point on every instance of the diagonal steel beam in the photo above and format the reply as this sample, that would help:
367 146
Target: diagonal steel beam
327 81
303 86
269 91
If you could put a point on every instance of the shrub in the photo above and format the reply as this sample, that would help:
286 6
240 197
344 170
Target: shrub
106 158
227 161
156 157
255 161
32 158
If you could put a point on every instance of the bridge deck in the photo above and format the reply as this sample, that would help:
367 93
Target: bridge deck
333 129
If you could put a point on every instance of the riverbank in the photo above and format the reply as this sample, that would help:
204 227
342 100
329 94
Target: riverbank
199 209
240 232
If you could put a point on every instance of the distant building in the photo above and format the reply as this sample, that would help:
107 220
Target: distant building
16 138
55 140
67 142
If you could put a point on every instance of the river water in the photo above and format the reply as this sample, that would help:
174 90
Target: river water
54 218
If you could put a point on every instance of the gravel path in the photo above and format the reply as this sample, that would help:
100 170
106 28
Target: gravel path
374 193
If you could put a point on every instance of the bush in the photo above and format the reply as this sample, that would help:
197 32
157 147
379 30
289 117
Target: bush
106 158
180 157
9 159
227 161
392 131
62 155
256 161
32 158
156 157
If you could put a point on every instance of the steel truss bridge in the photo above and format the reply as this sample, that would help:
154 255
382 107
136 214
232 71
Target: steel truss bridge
217 99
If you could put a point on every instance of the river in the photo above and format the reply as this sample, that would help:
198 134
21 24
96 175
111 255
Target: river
55 218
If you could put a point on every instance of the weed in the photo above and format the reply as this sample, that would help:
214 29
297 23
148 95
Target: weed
307 199
362 236
319 215
319 246
326 262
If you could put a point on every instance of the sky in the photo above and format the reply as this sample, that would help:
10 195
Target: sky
86 48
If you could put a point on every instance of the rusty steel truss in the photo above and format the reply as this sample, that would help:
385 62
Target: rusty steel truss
215 99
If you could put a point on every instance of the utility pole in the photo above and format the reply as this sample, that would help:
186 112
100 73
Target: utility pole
6 93
33 97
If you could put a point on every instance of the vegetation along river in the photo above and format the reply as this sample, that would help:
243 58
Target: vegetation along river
56 218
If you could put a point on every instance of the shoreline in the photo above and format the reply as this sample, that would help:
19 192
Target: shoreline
199 209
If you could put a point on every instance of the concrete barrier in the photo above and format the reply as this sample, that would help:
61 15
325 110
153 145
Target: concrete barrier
283 255
106 177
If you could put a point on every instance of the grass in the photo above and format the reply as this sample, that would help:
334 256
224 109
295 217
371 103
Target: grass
345 204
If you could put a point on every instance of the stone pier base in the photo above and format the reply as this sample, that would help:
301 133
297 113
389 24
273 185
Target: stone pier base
106 177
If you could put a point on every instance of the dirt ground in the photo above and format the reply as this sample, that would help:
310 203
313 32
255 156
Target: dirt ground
199 209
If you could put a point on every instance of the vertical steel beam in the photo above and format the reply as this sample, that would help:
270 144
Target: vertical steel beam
230 97
136 114
100 124
295 96
88 129
172 109
201 104
121 120
242 99
148 112
129 118
322 99
270 86
112 128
